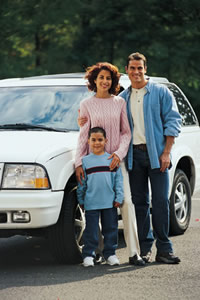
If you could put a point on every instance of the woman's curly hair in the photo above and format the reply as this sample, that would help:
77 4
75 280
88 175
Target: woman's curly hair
93 71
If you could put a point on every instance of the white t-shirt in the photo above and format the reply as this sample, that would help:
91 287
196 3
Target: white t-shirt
137 97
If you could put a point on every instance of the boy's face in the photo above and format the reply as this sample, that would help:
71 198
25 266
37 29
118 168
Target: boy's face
97 143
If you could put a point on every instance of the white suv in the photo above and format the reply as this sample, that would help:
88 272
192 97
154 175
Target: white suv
38 137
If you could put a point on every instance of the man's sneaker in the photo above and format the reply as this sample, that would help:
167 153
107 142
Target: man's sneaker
112 260
167 258
146 256
136 260
88 261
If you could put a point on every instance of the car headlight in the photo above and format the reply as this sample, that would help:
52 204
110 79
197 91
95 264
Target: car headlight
24 176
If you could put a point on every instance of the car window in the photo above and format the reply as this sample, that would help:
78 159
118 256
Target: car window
55 107
184 107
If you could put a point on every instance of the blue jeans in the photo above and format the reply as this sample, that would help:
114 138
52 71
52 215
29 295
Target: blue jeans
159 182
109 223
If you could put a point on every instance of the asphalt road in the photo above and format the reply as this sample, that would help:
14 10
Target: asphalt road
28 271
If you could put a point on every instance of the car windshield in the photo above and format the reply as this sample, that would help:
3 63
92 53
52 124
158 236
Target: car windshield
54 107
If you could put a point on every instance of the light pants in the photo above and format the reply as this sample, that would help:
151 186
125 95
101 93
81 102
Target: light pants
129 217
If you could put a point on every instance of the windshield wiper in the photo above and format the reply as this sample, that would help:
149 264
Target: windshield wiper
26 126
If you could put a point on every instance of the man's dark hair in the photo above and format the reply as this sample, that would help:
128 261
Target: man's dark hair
95 130
137 56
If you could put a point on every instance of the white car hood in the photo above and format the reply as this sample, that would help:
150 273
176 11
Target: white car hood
35 146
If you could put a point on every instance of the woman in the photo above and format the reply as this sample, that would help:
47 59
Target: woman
106 110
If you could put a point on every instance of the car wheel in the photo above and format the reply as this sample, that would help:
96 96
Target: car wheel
66 234
180 203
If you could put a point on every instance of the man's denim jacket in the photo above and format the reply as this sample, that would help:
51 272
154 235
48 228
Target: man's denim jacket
161 119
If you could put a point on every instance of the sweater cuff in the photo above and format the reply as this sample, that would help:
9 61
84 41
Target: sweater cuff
78 163
119 154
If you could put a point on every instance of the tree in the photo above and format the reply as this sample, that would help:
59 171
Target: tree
45 37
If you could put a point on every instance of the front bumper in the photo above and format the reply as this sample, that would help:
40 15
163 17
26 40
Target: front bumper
43 206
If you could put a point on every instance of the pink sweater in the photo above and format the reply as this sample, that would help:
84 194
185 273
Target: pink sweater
109 113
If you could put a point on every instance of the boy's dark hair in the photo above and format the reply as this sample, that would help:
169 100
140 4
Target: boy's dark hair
137 56
95 130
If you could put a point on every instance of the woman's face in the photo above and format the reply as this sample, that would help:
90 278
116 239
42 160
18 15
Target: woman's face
103 81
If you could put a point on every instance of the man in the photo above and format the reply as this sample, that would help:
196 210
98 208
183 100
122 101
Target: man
154 122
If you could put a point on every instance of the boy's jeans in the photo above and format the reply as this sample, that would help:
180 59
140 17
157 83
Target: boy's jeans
160 203
109 223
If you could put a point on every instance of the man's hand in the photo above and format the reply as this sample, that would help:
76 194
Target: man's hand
116 204
79 174
81 120
165 156
164 161
115 162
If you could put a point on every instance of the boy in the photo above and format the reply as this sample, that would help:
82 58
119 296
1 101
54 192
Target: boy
100 195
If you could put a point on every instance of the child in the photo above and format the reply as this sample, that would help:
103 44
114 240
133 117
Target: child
100 195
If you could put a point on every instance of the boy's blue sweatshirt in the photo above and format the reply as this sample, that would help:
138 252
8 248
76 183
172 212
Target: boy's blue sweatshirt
101 187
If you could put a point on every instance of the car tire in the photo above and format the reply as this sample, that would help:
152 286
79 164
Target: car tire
65 236
180 204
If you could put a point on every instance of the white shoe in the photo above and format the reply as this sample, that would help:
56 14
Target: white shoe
88 261
112 260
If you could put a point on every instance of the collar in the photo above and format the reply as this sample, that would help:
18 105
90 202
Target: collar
148 87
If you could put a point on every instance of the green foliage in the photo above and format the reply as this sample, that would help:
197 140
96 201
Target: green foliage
46 37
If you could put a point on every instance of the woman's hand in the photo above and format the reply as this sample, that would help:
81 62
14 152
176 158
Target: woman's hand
82 207
81 120
116 204
79 174
115 162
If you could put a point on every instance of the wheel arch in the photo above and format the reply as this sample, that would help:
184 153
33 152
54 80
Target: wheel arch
186 164
71 183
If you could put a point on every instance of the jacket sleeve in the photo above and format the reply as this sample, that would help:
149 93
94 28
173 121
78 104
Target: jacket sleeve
170 115
118 186
125 133
82 146
81 189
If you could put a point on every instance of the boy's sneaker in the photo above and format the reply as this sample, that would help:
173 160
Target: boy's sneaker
167 258
88 261
112 260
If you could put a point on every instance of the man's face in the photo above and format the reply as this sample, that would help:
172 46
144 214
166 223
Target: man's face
136 71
